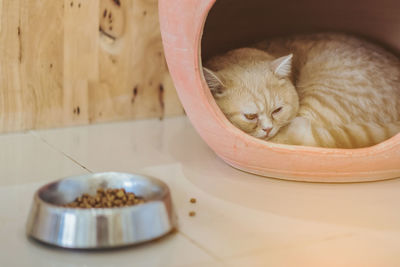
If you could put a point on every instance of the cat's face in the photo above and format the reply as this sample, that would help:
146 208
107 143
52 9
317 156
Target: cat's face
257 101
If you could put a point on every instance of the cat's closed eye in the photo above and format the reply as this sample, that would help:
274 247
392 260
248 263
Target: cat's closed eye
276 111
250 116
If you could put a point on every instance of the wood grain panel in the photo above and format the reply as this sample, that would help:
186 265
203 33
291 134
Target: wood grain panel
69 62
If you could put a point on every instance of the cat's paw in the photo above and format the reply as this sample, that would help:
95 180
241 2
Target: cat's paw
299 132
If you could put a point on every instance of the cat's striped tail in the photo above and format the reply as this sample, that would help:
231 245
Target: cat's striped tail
354 135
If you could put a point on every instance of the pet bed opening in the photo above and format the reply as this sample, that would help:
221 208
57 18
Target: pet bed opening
235 23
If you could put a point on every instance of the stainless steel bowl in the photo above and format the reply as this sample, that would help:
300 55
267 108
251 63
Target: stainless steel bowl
100 228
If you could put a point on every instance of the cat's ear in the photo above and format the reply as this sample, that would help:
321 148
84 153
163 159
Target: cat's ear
282 66
214 82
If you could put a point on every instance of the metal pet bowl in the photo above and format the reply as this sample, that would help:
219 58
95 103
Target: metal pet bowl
99 228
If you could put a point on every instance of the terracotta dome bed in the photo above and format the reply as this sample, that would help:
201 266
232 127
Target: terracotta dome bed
194 30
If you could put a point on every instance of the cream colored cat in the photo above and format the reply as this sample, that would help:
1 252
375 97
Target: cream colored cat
327 90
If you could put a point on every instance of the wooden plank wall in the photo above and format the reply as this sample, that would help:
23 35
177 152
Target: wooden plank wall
70 62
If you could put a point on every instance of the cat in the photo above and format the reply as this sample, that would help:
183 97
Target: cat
326 90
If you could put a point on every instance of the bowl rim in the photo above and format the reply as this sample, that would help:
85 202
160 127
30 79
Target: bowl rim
39 199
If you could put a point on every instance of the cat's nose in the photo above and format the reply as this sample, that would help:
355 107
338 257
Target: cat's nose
267 130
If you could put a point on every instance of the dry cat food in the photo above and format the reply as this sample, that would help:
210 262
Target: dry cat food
192 213
109 198
193 200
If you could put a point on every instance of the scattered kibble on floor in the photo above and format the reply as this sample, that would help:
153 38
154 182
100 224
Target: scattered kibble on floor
192 213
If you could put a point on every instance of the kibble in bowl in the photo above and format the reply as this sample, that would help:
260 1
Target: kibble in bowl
109 198
102 210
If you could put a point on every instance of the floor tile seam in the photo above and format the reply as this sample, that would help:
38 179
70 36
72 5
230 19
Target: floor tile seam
198 245
55 148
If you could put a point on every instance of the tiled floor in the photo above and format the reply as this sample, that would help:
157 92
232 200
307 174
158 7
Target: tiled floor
241 219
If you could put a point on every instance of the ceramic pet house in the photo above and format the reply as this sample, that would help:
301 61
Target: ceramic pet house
196 29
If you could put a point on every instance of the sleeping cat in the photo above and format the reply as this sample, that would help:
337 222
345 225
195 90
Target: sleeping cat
325 90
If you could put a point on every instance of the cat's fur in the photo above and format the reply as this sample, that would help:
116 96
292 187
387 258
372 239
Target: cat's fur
327 90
